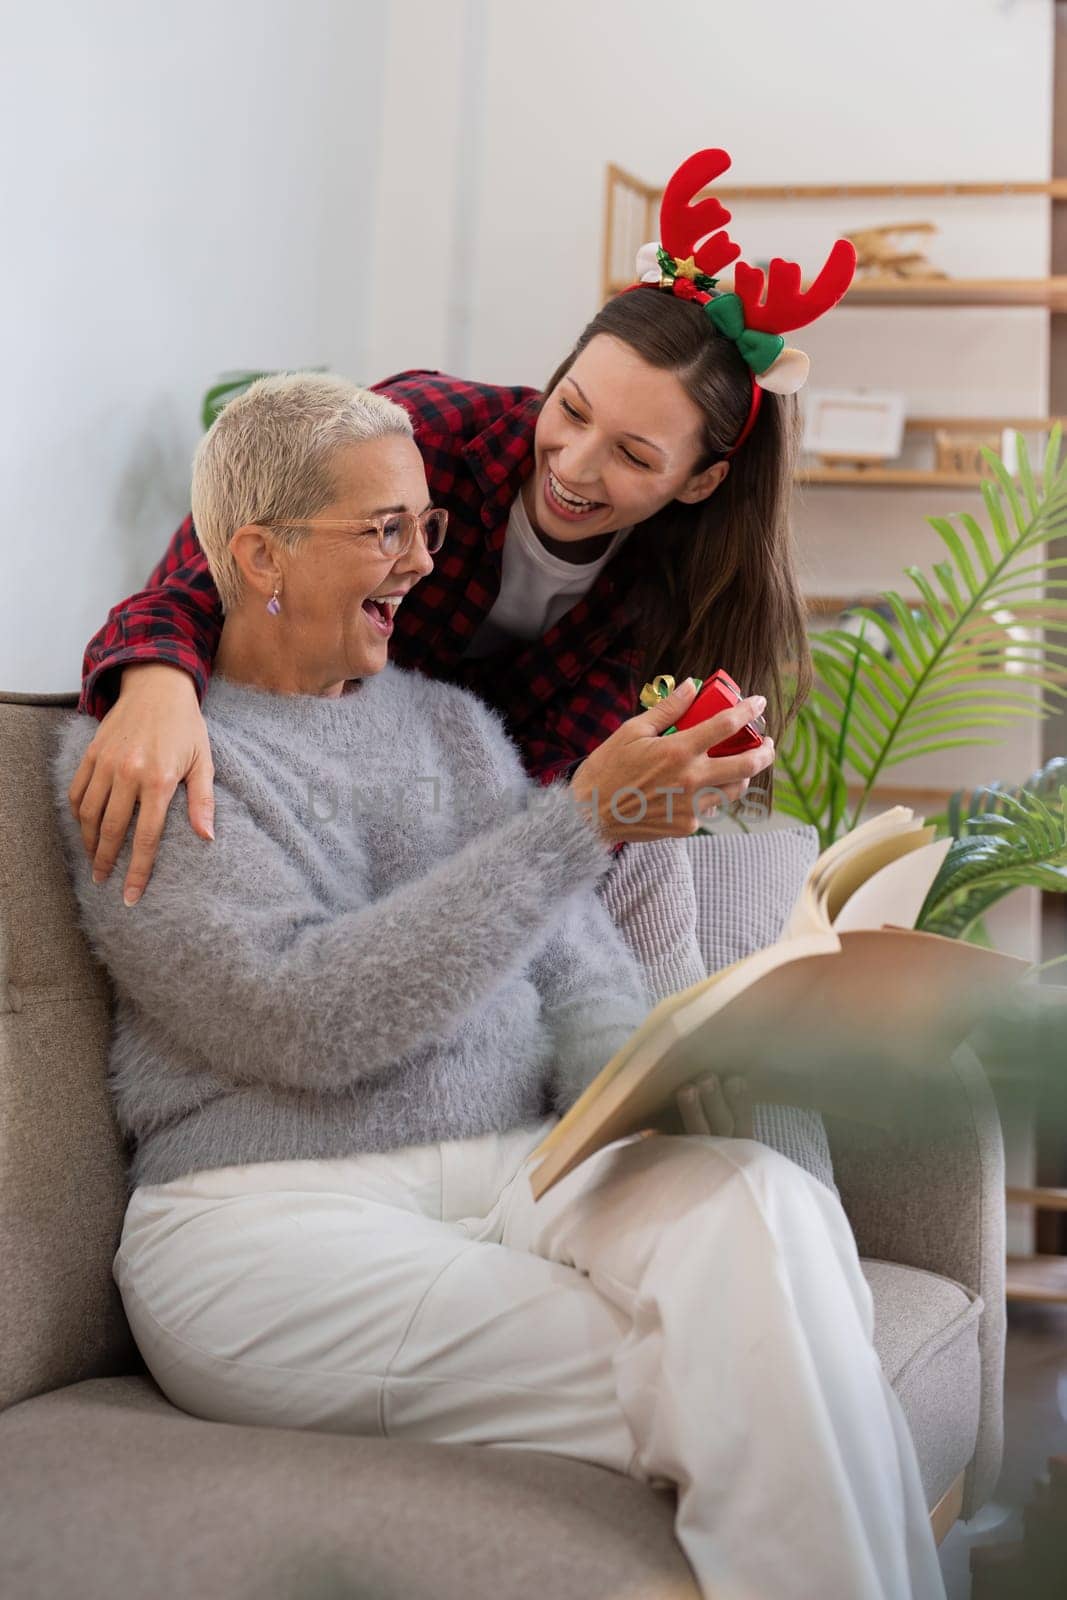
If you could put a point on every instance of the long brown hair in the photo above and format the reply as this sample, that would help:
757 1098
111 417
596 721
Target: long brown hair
717 583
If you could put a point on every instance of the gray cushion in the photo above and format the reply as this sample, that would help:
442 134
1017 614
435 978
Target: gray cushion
746 886
926 1334
688 907
62 1178
111 1490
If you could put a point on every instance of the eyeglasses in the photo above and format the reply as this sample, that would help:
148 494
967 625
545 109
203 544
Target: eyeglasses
396 532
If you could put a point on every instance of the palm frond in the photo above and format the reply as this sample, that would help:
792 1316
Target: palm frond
967 805
1009 840
982 645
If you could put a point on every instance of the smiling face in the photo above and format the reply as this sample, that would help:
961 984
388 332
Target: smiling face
337 591
335 580
616 441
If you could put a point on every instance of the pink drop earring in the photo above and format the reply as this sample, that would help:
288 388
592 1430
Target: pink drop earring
274 604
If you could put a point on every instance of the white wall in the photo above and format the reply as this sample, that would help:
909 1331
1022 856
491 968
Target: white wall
184 190
917 90
282 183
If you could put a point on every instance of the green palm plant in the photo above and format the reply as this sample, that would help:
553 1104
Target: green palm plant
1006 839
983 651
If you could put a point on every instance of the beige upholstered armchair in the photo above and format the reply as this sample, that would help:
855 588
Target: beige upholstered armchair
108 1489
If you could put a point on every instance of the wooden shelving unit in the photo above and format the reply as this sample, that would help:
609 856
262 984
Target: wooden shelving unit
631 209
1042 1278
630 219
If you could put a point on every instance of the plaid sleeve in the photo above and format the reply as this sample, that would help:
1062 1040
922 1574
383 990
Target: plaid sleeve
555 744
184 547
176 620
562 732
451 407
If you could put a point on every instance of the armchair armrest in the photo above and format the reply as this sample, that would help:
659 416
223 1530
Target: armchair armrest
932 1196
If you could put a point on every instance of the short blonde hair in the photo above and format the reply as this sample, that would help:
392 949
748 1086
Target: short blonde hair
269 455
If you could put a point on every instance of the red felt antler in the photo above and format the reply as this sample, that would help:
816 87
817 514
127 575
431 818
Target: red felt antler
787 306
682 224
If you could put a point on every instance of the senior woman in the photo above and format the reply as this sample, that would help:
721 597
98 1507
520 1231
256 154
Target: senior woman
343 1027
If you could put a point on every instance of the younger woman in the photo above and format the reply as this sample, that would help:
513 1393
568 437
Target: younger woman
631 519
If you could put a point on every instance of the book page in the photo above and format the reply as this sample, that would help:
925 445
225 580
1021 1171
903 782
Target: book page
855 869
896 893
809 914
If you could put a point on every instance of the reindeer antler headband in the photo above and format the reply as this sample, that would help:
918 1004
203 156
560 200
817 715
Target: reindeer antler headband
756 325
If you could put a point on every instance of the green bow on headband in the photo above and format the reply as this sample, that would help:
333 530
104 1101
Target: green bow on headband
760 350
725 312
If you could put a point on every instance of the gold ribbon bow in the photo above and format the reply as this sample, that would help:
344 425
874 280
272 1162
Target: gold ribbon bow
660 687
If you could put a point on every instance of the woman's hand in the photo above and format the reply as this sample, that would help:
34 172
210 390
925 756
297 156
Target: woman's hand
711 1106
642 786
152 738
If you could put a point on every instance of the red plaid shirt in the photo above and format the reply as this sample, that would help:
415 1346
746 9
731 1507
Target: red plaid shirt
560 695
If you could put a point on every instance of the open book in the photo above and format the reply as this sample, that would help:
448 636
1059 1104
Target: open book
849 966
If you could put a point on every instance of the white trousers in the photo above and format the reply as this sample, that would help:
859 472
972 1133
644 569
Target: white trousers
686 1310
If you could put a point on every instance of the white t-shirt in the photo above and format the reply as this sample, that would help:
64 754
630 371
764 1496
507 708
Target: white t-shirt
536 587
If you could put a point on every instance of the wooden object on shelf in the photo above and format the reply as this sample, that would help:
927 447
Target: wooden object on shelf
854 427
967 435
979 431
962 453
877 251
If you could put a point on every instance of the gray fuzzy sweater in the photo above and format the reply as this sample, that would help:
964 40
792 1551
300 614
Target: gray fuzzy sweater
393 940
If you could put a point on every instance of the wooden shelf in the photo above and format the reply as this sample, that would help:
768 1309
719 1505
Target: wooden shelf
886 476
1054 190
1048 292
982 424
832 605
889 478
904 795
631 211
1037 1278
1039 1199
